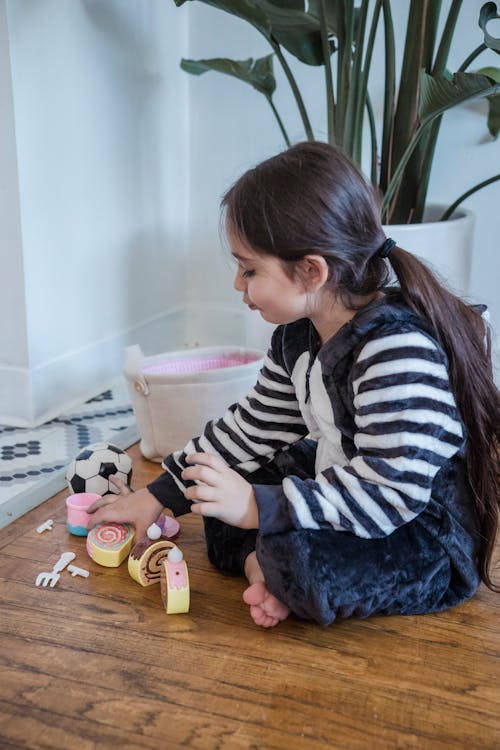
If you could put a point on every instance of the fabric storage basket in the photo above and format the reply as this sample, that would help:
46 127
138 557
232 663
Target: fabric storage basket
176 393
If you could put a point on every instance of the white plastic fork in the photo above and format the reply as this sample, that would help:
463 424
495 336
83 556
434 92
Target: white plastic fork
44 579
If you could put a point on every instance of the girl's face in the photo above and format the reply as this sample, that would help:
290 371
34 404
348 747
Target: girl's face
266 286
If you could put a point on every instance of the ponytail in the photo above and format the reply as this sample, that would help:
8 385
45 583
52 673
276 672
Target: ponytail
462 333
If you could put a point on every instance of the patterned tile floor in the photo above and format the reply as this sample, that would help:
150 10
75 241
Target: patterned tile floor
33 461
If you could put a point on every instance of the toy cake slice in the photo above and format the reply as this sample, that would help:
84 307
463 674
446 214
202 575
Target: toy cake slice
145 560
109 544
174 583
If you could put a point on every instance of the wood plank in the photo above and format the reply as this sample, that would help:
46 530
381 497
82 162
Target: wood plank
96 663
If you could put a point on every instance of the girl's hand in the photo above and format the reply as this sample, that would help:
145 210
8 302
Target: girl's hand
224 494
140 509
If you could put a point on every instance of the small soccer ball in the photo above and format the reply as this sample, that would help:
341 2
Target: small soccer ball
91 469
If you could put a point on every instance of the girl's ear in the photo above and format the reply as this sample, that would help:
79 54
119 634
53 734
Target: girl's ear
314 272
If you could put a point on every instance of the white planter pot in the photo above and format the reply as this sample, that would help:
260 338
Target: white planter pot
446 246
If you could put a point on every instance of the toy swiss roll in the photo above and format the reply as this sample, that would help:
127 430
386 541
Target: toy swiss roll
109 544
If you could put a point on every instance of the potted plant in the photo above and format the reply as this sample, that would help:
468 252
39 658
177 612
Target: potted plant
339 36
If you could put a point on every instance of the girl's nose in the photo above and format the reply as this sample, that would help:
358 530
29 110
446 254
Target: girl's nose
239 282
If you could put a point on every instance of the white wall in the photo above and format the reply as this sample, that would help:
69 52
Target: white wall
98 134
13 331
113 163
232 128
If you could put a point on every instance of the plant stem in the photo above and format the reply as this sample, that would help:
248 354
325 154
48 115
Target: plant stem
406 114
471 58
295 89
431 26
444 46
398 172
427 149
280 123
363 88
330 100
449 211
355 82
427 159
389 94
344 59
373 138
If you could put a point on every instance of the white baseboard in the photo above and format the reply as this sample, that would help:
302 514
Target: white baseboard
29 398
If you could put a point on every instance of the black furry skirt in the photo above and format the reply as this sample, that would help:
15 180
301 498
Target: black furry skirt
427 565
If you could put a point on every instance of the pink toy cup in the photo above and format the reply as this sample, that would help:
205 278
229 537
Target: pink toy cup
77 512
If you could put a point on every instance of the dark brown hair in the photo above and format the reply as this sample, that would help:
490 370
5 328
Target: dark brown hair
311 199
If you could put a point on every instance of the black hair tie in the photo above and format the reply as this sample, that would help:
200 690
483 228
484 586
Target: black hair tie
386 248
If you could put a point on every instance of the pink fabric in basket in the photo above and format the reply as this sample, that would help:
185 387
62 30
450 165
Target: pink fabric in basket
198 364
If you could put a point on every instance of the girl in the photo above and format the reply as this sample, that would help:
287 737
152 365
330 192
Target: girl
359 476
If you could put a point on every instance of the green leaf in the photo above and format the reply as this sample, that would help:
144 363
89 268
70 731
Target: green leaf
490 71
489 13
494 115
493 101
297 31
439 93
248 10
289 4
257 73
334 15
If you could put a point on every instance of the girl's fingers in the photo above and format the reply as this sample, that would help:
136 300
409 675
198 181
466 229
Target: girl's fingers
202 493
102 502
113 513
141 531
124 489
202 474
104 514
207 459
205 509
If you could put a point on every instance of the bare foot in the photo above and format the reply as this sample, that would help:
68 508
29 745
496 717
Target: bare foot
265 609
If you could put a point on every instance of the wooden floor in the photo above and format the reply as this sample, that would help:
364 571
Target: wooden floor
96 663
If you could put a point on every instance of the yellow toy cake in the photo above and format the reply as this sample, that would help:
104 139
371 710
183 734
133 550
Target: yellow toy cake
175 583
145 560
109 544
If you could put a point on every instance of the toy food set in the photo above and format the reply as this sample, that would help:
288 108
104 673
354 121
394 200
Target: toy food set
155 559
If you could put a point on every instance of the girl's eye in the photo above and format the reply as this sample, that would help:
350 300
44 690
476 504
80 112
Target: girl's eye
247 274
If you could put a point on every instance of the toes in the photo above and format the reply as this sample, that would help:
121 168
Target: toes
261 618
257 614
265 609
255 594
274 608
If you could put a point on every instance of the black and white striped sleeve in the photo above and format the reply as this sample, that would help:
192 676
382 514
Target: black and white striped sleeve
407 427
249 434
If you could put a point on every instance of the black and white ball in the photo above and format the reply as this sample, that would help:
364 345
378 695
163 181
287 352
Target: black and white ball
90 470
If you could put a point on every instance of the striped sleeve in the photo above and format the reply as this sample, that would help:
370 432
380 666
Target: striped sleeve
407 428
247 436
